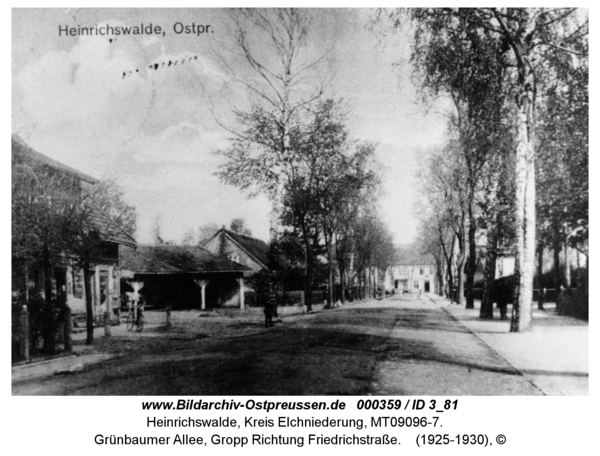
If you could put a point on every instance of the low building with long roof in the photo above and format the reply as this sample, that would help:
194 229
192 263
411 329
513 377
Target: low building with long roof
182 277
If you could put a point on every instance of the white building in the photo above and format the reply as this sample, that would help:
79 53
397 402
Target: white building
412 273
411 278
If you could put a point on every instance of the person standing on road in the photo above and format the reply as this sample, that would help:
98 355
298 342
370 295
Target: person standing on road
270 305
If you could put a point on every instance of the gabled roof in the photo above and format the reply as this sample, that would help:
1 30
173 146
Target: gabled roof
22 151
409 255
21 147
174 259
111 232
257 249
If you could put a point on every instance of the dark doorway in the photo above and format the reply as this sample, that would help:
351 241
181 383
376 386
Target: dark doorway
427 286
178 291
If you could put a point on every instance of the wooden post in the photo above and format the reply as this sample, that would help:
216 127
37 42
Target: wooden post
168 313
543 295
25 333
241 283
107 324
202 283
69 281
117 284
97 287
110 291
67 330
560 300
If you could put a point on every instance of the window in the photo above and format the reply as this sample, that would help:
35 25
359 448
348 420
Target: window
77 283
233 257
416 285
422 270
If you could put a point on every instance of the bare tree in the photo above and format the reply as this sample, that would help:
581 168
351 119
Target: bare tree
206 231
447 193
238 225
282 77
157 233
189 237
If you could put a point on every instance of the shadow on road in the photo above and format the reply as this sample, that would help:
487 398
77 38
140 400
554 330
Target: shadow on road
348 351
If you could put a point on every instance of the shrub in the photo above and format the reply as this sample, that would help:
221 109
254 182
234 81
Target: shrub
38 319
574 303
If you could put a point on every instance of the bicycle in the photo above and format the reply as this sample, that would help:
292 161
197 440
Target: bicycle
135 318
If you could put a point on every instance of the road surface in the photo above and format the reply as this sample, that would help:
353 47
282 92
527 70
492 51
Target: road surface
398 346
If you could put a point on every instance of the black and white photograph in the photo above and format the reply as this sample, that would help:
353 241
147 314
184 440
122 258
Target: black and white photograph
371 202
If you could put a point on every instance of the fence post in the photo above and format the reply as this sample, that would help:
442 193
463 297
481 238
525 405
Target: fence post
560 300
168 312
25 333
67 330
107 324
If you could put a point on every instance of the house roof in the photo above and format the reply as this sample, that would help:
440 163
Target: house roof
21 147
409 255
174 259
110 233
256 248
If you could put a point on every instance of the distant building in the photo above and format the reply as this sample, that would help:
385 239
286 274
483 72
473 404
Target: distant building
411 278
245 250
412 273
67 276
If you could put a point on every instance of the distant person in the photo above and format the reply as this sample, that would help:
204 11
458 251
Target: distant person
268 310
503 294
140 307
270 305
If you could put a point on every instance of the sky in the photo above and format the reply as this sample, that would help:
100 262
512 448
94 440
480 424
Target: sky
93 103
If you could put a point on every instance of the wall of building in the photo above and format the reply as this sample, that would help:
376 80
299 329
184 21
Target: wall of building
505 266
234 253
413 278
105 284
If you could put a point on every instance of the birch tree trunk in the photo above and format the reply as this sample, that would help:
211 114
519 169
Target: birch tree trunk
556 248
461 279
525 206
567 264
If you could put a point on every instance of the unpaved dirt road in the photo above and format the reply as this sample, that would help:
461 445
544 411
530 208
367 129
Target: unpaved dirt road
398 346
